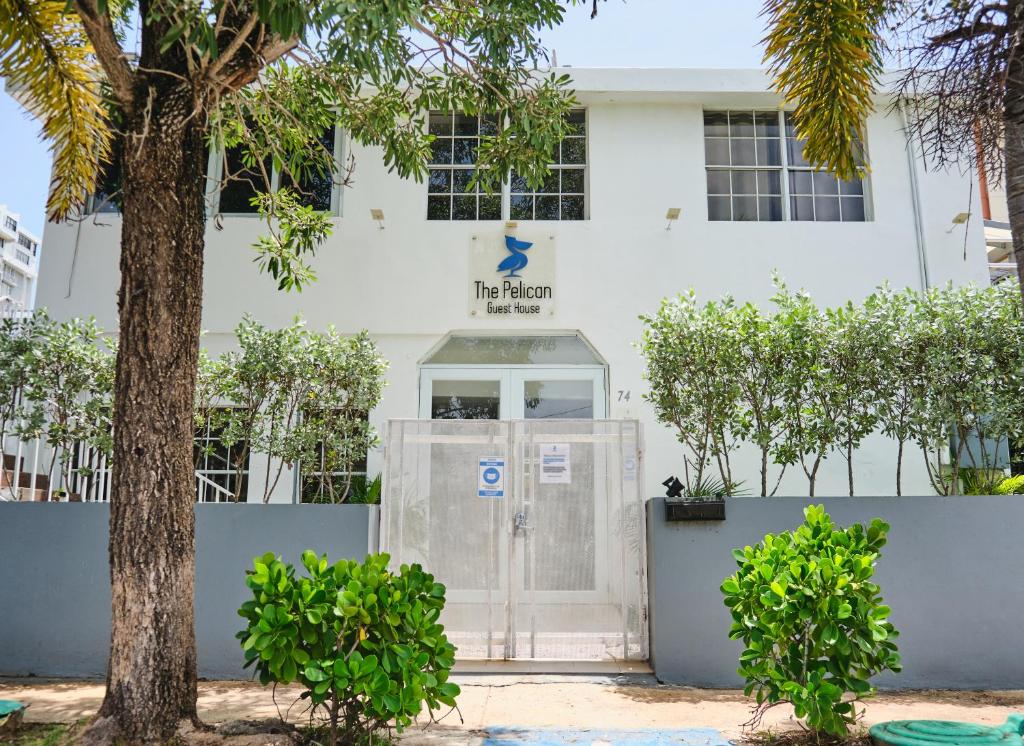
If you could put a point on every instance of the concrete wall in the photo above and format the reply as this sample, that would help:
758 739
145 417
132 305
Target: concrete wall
951 572
408 284
55 586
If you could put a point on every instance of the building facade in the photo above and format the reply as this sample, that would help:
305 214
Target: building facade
525 304
19 264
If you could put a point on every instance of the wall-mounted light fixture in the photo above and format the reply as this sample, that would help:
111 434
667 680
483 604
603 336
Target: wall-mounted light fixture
959 219
377 214
511 225
671 216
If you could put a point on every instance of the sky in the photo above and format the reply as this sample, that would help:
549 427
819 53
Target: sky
637 33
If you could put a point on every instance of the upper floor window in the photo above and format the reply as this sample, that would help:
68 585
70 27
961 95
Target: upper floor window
10 223
453 160
241 179
27 242
751 176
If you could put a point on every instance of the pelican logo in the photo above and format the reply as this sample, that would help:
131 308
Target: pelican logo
518 260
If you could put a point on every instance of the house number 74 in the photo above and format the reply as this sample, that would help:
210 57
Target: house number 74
623 395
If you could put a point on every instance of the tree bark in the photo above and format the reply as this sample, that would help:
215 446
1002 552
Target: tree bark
1013 123
151 679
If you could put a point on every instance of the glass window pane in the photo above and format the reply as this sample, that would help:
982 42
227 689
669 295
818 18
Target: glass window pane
488 126
572 181
856 186
464 151
441 150
440 180
716 124
550 184
574 150
742 152
577 121
517 184
790 124
825 183
439 208
744 208
801 208
464 207
719 208
769 182
555 349
572 208
800 182
521 208
490 207
547 208
769 153
826 208
440 124
741 124
558 400
716 151
465 400
242 183
853 209
718 182
769 208
461 178
466 125
744 182
795 152
316 188
766 124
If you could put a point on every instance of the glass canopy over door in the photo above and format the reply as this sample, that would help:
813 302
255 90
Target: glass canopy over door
476 377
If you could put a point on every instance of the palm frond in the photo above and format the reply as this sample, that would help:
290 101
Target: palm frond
49 64
825 57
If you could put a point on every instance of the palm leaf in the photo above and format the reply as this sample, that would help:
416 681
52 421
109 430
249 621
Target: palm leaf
49 65
825 56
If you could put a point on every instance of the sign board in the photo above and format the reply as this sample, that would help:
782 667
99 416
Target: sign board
491 482
555 465
511 275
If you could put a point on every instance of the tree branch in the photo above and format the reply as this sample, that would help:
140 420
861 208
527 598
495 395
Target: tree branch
108 51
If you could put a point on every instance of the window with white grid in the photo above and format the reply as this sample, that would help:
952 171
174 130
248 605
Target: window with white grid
755 170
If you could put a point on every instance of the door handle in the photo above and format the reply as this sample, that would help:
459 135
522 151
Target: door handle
520 523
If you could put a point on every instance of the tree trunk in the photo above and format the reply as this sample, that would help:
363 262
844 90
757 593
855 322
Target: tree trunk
1013 123
151 680
899 470
764 471
849 464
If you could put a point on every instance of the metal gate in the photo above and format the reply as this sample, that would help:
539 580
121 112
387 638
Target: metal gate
535 527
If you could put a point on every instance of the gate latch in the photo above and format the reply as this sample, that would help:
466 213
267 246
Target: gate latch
520 521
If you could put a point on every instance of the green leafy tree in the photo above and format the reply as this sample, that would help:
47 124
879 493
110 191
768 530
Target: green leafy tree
267 76
692 364
17 339
67 391
812 620
364 642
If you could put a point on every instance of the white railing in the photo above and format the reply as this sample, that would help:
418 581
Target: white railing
36 473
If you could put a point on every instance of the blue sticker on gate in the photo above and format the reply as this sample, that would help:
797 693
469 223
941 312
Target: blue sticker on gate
491 482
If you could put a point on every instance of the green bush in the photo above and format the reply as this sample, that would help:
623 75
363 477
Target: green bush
1011 486
365 642
813 623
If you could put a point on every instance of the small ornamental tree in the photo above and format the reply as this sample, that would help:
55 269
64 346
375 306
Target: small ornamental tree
365 642
811 619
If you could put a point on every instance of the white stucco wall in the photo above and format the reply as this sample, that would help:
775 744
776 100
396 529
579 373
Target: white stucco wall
407 284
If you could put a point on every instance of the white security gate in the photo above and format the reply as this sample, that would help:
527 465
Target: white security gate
534 526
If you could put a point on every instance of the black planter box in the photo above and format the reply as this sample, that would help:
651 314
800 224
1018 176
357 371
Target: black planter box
694 510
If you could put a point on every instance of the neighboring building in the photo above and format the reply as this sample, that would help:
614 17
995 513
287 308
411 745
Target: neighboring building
553 336
19 264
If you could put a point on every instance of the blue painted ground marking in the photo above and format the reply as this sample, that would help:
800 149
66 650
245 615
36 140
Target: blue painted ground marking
602 737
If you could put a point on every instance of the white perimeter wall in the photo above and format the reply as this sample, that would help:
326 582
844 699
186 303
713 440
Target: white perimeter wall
408 284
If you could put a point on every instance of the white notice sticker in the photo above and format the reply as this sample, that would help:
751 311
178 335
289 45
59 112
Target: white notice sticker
555 464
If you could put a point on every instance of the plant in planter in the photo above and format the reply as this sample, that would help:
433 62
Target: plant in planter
365 642
812 621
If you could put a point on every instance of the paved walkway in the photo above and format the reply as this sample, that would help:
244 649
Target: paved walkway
499 709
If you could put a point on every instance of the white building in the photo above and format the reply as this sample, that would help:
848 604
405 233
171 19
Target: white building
556 338
19 264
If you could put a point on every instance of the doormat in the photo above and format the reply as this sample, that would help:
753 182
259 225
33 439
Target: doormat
527 736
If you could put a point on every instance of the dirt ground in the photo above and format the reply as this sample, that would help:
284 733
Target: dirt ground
619 702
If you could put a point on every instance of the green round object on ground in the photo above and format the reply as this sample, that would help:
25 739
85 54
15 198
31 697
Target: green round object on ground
932 732
7 706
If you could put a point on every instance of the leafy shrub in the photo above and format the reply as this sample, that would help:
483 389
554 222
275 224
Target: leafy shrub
365 642
1011 486
813 623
